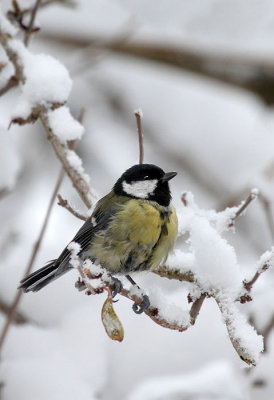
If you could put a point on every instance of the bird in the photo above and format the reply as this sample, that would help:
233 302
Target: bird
133 228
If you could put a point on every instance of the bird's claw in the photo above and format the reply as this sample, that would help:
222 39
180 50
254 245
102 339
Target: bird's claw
80 285
140 308
118 286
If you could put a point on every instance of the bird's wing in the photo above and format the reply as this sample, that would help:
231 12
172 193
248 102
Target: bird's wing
100 218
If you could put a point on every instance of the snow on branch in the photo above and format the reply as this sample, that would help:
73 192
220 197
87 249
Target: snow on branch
45 87
214 270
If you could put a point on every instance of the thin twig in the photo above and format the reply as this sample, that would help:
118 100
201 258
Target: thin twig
64 203
13 56
16 301
19 318
29 30
172 273
196 307
252 196
225 67
13 81
138 115
249 284
3 192
11 314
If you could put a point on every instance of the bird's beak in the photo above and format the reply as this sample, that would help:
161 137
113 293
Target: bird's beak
168 176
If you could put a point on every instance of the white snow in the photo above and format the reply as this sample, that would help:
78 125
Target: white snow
74 249
47 81
64 125
180 260
240 331
170 312
76 162
266 260
217 271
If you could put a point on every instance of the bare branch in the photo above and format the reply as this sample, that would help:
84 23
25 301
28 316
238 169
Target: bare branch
196 307
19 318
138 115
12 82
172 273
252 74
261 268
30 30
13 56
3 192
64 203
13 308
252 196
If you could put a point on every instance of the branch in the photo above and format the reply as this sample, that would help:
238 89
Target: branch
230 316
3 192
30 29
139 115
64 203
12 82
19 318
252 196
172 273
266 261
17 14
13 308
227 68
79 180
196 307
152 312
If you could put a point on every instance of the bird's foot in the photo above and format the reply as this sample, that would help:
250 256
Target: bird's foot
118 286
143 306
80 285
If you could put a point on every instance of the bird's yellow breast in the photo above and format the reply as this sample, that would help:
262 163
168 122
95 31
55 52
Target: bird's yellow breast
139 237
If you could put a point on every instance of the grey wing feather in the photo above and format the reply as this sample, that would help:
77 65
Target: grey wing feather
84 235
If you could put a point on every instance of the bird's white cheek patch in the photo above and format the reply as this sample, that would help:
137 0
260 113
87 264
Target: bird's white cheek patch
140 189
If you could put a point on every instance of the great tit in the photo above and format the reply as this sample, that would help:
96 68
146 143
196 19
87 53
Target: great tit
131 229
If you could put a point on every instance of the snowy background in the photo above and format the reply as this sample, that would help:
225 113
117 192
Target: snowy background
218 138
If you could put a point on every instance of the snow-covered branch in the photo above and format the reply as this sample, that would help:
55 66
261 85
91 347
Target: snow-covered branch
45 87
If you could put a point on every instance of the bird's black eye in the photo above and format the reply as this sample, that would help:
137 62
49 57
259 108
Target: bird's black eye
145 177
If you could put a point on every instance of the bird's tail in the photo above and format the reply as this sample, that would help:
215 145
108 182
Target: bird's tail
40 278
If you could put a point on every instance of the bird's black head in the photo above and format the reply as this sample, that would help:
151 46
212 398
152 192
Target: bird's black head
145 181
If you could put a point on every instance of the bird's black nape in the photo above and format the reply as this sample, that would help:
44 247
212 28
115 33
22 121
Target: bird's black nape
146 172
